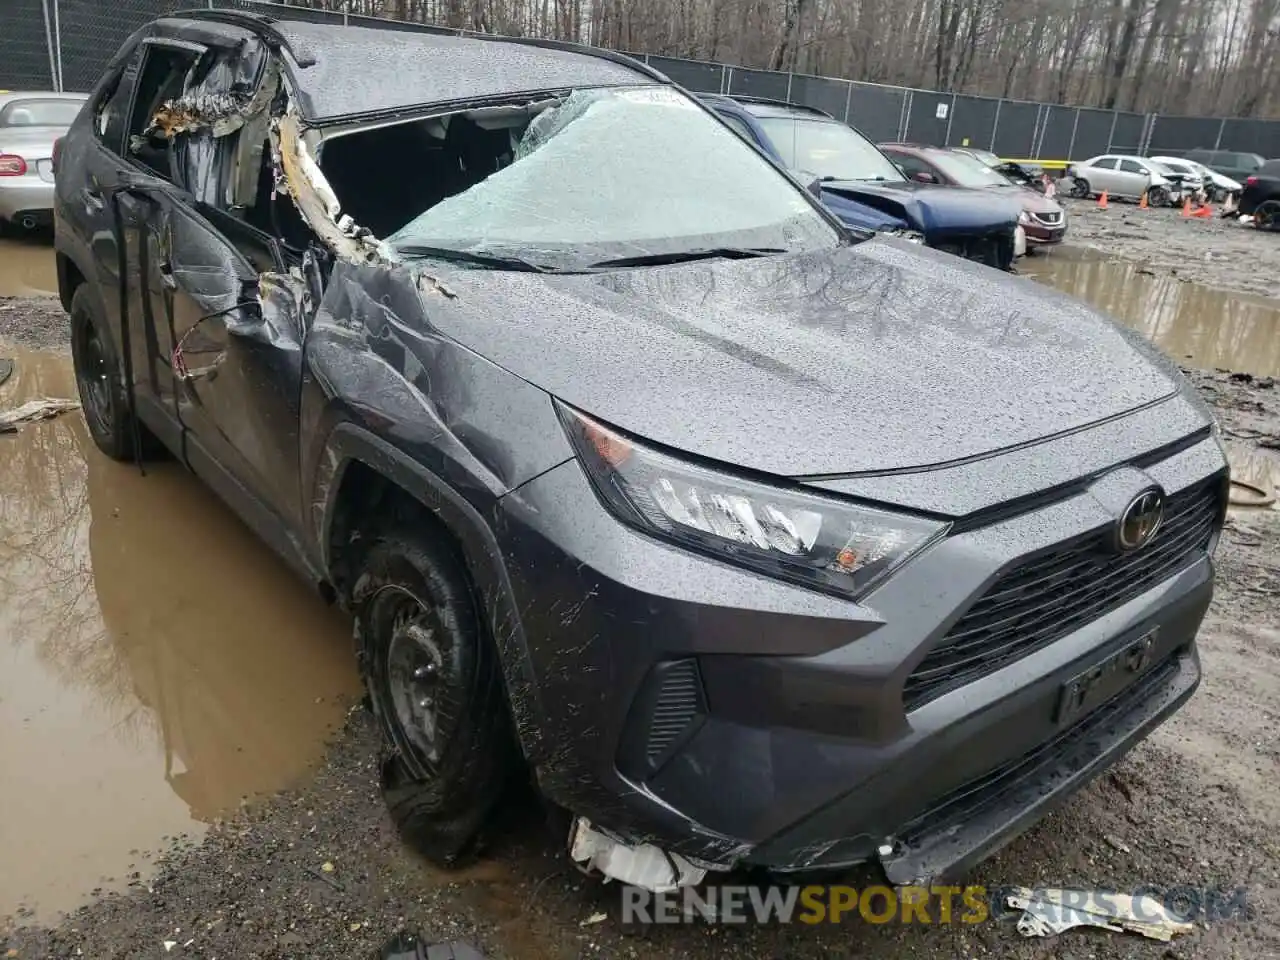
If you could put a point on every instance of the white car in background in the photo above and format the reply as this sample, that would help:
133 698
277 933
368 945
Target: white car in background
1217 186
29 125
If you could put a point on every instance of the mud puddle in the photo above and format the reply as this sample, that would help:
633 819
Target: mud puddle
157 664
1196 325
27 266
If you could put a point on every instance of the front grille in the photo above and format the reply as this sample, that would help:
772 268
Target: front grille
1037 766
1048 595
1048 219
994 250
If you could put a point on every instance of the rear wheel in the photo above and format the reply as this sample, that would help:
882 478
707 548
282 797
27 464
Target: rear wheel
101 385
435 687
1267 216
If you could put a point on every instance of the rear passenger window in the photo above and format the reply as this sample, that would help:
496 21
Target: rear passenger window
1108 163
164 74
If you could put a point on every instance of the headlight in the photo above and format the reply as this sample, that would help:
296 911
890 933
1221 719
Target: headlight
822 543
912 236
1024 218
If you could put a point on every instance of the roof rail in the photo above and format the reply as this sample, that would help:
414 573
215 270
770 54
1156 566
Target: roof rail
266 25
771 102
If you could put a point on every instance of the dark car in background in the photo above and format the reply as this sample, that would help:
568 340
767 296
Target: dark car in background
1042 220
747 539
863 187
1235 164
1260 198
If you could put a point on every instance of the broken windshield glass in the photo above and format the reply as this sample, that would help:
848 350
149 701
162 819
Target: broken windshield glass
611 173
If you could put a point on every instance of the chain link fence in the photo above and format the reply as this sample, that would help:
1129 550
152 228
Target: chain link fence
64 44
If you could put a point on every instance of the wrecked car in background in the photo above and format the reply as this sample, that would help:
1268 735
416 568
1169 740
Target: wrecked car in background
30 123
862 187
750 541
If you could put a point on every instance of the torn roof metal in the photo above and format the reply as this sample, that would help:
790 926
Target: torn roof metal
362 70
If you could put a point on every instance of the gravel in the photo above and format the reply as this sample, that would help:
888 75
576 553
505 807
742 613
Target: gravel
319 872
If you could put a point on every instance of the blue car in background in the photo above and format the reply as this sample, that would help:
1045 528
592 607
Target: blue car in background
865 189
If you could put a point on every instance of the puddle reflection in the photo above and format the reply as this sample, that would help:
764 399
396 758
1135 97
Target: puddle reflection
1196 325
157 664
27 267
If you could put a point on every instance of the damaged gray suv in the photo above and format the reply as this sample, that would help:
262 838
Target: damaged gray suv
751 541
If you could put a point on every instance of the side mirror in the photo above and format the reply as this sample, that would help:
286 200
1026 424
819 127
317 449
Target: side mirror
925 177
815 188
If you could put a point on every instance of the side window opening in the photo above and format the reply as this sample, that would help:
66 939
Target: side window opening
111 110
164 76
739 126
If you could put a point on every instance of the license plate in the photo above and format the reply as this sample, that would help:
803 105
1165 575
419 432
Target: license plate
1104 680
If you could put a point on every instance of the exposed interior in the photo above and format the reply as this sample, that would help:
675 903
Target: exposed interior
387 175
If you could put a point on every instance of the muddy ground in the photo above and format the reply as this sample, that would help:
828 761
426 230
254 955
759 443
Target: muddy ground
1216 252
318 872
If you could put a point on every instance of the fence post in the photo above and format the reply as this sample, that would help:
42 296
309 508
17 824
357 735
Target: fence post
57 43
904 117
1035 131
995 125
726 78
791 75
1222 128
1148 132
951 115
848 102
1111 136
1071 147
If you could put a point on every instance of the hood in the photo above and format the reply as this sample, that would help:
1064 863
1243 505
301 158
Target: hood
930 208
884 355
1027 198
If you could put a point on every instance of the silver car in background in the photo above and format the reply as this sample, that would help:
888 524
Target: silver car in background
30 122
1123 176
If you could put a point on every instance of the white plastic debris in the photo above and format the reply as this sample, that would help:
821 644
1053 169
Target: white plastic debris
1050 911
32 410
645 865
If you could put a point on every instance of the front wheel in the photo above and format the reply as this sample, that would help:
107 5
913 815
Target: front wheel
1158 197
435 687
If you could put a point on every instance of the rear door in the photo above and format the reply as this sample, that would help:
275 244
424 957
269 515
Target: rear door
1102 174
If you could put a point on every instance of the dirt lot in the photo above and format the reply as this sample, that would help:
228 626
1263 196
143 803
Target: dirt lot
1218 253
317 871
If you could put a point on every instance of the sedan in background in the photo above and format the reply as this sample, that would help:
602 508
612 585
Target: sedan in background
1217 187
1041 219
1122 176
864 188
29 125
1023 174
1229 163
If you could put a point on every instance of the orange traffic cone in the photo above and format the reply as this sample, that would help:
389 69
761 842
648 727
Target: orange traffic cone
1186 207
1142 204
1102 200
1204 211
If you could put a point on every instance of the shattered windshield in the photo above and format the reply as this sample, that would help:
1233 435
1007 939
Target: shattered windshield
967 171
621 172
825 148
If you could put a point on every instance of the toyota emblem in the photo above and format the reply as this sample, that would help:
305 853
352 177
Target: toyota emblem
1140 521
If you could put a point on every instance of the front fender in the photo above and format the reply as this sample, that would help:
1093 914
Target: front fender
348 444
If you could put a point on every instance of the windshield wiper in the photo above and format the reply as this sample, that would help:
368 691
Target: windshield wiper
491 260
684 256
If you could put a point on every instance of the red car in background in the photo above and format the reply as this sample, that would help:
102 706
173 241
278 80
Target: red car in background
1043 221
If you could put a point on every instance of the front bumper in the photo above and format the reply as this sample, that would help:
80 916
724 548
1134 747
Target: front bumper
735 719
1045 234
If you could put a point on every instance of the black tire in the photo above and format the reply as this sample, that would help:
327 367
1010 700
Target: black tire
435 687
1158 197
1267 216
101 384
1080 189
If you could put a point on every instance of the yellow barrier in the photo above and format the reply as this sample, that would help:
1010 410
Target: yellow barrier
1046 164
